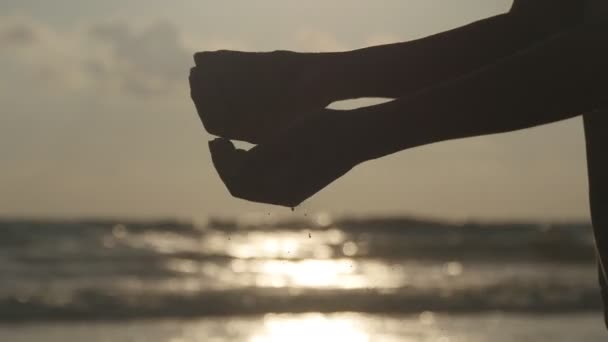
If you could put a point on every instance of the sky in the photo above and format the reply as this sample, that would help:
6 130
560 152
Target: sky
96 119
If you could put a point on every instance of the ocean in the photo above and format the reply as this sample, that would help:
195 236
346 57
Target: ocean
262 278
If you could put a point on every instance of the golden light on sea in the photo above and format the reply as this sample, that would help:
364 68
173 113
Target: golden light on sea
312 327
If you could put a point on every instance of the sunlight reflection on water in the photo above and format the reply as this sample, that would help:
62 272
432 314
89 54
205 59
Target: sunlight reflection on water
300 244
347 327
242 264
341 273
300 259
315 273
232 276
312 327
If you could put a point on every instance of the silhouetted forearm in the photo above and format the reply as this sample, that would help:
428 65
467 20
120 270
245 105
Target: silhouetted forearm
596 134
557 79
397 69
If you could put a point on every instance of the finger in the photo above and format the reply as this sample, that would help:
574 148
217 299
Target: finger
205 58
227 161
197 92
206 98
201 84
214 60
244 176
212 96
199 58
195 84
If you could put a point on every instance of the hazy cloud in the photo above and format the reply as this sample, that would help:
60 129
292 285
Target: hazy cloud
114 55
149 60
137 60
20 34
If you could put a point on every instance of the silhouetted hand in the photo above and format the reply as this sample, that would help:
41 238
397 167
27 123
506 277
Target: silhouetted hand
250 96
292 167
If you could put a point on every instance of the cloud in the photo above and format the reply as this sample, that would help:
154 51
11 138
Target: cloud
116 56
17 35
37 55
17 31
146 61
110 56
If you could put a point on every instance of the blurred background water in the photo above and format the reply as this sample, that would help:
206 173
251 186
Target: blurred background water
261 278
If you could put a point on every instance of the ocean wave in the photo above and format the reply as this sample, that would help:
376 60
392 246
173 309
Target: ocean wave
386 238
91 305
115 269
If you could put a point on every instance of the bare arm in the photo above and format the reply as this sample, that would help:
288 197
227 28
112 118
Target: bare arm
596 134
397 69
559 78
275 88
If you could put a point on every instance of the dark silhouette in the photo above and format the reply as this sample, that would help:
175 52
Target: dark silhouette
542 62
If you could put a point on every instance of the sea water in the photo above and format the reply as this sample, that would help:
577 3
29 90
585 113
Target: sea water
366 279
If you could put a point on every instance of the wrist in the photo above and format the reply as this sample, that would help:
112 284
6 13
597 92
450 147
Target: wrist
334 70
371 133
340 76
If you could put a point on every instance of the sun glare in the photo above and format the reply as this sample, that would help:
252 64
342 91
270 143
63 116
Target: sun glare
313 327
315 273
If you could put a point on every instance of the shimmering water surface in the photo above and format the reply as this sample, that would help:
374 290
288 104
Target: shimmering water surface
425 327
264 279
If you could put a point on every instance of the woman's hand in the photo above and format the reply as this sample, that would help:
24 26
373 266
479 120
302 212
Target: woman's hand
250 96
292 167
